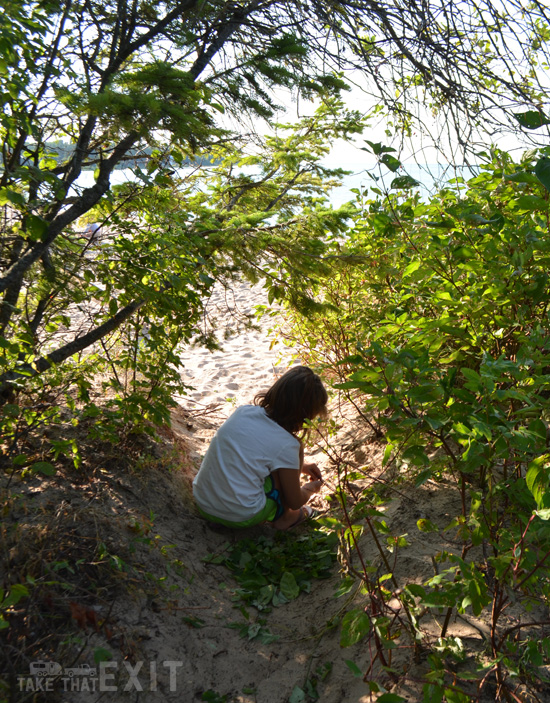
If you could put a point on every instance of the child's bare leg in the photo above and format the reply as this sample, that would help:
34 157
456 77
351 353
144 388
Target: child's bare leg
290 517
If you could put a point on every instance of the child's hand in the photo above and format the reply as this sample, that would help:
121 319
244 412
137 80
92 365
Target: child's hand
312 470
313 486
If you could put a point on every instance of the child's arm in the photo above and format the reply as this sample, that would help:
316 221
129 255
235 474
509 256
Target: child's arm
309 468
294 495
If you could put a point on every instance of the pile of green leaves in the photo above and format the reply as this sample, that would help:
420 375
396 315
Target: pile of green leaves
271 571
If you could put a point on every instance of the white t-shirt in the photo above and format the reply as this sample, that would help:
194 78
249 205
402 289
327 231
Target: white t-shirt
244 451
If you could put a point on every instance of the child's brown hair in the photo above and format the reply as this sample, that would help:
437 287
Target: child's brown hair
296 396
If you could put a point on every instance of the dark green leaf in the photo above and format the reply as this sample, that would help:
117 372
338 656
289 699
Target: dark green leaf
102 655
404 182
532 119
355 625
391 162
43 467
297 696
530 203
345 586
289 587
14 595
433 693
542 171
453 695
37 227
352 666
11 196
378 148
522 177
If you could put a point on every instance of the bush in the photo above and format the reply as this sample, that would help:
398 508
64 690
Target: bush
437 326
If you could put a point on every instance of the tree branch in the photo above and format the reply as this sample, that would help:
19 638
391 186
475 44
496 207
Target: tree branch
86 201
67 350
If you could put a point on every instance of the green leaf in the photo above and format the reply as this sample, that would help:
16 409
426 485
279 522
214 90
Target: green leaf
538 429
352 666
472 377
391 162
390 698
253 630
522 177
102 655
265 595
331 522
422 477
297 696
529 203
374 687
253 581
211 696
43 467
377 148
442 224
411 268
387 453
289 587
537 477
532 119
11 410
267 637
345 586
542 171
415 455
416 590
355 625
455 696
464 252
14 595
432 693
425 525
11 196
37 227
404 182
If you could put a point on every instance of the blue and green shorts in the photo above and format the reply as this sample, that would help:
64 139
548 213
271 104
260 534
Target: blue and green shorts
272 510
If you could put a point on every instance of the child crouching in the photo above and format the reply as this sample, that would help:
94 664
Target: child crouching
251 471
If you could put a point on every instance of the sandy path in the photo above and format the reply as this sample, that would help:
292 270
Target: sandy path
249 361
187 614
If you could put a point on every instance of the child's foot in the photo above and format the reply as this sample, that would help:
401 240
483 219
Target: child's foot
293 518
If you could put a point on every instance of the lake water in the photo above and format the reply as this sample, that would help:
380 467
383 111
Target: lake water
429 176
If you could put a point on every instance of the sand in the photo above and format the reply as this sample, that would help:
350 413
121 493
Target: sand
249 359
